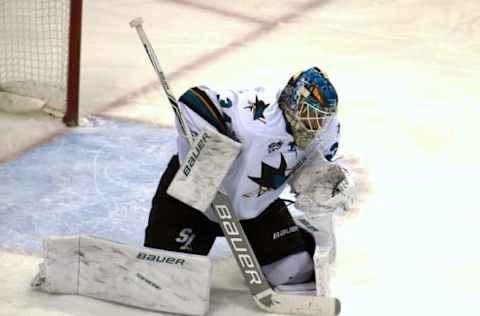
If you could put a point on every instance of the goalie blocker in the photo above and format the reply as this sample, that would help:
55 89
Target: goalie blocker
152 279
206 164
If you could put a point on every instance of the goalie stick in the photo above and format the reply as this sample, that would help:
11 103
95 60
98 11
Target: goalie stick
265 297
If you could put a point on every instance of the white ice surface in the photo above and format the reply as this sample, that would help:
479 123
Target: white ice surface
407 74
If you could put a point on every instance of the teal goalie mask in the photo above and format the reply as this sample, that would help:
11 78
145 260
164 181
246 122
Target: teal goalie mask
309 101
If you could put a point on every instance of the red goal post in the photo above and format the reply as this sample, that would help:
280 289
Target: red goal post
40 44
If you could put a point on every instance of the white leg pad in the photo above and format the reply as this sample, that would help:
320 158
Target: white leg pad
206 164
142 277
320 227
322 272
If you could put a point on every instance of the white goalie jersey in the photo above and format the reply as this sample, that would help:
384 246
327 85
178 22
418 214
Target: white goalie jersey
269 153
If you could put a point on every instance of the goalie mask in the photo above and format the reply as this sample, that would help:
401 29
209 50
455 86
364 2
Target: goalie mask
309 101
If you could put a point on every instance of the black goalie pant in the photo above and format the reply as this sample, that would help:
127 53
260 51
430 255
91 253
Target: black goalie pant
175 226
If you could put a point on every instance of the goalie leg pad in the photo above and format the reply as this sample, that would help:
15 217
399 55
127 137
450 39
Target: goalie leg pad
320 227
142 277
205 166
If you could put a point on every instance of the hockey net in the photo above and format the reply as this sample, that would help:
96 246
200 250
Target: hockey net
40 56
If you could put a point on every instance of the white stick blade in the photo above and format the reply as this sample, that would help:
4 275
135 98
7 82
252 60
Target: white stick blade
299 305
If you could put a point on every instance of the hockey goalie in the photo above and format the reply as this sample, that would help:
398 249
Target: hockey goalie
274 127
276 130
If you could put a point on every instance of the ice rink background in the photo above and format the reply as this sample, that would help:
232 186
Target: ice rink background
113 170
407 73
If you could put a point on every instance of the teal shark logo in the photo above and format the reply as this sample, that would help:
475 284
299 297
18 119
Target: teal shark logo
271 178
257 108
224 103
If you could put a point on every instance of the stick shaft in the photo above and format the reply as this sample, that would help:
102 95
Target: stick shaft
161 76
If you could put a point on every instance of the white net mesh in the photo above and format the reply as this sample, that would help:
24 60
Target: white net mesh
34 49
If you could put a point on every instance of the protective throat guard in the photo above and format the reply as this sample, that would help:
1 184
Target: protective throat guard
206 164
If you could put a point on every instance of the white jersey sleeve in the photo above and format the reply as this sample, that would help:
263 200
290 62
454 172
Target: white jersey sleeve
199 109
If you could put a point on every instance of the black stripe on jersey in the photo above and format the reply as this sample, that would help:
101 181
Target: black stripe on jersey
199 102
